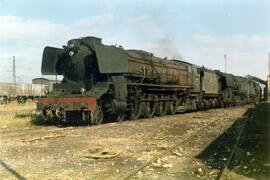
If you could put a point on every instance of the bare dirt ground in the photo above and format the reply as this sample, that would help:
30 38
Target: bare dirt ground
170 146
252 154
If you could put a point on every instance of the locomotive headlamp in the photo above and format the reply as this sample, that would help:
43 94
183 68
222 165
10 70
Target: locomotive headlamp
71 53
46 91
82 90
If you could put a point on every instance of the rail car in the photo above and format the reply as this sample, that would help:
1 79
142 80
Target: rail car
108 82
20 92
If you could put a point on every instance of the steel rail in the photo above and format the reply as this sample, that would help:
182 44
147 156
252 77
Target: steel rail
177 144
223 172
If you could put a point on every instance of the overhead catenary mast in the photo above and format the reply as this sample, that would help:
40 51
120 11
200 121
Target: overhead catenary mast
14 75
14 70
268 79
225 58
268 64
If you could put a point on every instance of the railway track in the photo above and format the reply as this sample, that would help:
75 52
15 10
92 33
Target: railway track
222 174
39 130
32 130
183 140
246 131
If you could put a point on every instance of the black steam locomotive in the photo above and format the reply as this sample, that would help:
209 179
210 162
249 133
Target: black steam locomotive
109 82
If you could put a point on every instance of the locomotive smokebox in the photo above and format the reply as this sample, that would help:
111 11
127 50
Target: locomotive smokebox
51 59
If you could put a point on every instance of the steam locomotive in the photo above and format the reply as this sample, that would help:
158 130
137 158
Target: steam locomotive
108 82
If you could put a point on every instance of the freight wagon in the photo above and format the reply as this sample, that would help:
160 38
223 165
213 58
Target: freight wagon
21 92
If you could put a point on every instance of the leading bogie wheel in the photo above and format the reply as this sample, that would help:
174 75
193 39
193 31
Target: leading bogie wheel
97 116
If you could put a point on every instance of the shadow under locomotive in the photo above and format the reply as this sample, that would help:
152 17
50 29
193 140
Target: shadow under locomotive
75 120
252 155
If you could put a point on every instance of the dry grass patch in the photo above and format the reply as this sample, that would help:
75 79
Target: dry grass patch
15 107
16 115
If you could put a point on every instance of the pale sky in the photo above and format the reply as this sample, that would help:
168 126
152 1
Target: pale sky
199 31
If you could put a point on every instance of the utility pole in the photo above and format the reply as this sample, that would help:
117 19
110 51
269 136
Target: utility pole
14 75
225 58
268 64
268 79
14 70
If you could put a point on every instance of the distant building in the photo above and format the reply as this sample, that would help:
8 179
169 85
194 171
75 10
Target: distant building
13 90
44 81
8 89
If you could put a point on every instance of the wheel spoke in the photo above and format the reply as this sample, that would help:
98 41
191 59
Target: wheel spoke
136 112
149 109
171 108
120 117
161 109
